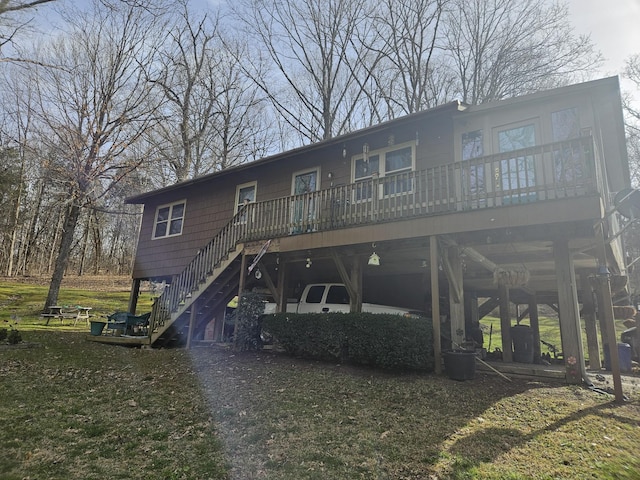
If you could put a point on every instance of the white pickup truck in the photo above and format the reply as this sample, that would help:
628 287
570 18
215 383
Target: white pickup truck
333 297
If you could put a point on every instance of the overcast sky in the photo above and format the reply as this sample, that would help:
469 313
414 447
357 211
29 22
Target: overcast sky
614 26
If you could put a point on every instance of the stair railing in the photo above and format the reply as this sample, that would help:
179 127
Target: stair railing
181 288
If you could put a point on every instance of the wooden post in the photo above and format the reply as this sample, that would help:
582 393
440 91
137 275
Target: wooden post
570 332
435 302
589 314
456 296
192 322
241 284
505 323
535 325
356 281
133 296
281 301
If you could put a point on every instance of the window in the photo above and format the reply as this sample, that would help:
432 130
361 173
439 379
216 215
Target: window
364 171
245 193
169 219
395 162
305 206
314 295
473 173
518 172
338 294
568 162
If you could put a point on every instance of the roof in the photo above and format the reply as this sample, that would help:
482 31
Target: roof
454 106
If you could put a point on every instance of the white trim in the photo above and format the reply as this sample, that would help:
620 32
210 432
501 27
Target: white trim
239 187
170 219
302 172
381 153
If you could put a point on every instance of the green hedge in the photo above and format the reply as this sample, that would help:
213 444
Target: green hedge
380 340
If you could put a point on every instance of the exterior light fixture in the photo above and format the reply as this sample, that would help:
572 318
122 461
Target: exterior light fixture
374 259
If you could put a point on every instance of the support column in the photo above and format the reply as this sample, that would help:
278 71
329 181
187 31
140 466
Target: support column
535 325
356 281
241 284
505 323
435 302
605 312
193 315
589 315
133 296
281 301
456 296
569 312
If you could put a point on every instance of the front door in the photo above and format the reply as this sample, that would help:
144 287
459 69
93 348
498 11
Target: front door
304 204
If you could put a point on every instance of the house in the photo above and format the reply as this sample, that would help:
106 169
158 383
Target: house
467 208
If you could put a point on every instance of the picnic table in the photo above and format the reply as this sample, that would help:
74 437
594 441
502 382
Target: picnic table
61 312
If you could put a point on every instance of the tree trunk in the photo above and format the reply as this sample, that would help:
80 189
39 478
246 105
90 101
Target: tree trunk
70 223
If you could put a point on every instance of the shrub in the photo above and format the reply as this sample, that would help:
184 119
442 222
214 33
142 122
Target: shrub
14 337
3 334
380 340
248 314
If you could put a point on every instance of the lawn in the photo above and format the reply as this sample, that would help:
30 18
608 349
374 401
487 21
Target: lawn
72 409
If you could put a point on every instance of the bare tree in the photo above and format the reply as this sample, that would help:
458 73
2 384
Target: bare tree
11 23
502 48
93 106
309 43
188 81
408 42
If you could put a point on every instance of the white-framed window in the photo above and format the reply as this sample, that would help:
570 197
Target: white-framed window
473 172
394 161
169 220
245 193
516 175
305 206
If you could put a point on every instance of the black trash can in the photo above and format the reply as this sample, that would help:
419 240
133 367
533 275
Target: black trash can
522 338
460 364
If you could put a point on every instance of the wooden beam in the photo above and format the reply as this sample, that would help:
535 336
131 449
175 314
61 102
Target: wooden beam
488 306
267 279
505 323
281 299
241 283
435 302
570 331
450 262
589 315
356 281
605 310
456 296
193 314
344 275
535 325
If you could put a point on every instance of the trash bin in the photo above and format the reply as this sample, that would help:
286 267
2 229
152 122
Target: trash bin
624 357
97 327
460 364
522 338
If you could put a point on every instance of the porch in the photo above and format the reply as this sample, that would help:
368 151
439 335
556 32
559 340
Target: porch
447 228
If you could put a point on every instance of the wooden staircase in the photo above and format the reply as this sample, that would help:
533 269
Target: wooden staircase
208 280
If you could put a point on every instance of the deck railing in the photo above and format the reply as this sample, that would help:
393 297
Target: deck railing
551 171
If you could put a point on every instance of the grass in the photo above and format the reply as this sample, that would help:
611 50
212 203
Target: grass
549 332
72 409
